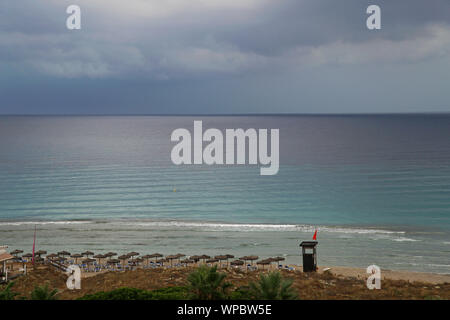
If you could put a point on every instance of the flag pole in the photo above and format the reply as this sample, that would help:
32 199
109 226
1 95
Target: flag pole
34 243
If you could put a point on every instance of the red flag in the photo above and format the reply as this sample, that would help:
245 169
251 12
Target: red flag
315 235
34 242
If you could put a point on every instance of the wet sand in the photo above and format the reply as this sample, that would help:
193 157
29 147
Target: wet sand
360 273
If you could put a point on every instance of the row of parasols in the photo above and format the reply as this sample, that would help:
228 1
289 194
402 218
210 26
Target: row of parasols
134 258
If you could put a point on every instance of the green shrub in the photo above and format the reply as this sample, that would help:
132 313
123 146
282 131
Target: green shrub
43 293
6 293
205 283
169 293
241 293
272 287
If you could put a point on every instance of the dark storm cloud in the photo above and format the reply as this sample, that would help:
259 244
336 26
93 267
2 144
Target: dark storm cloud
158 55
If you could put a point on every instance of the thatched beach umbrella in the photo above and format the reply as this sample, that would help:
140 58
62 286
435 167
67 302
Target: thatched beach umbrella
99 257
180 255
277 259
155 255
113 261
132 254
264 262
171 258
222 258
204 257
237 263
87 253
212 260
244 258
146 258
249 258
40 252
88 261
51 256
16 252
61 260
39 260
123 258
229 256
138 260
162 261
76 256
187 261
111 254
64 253
27 255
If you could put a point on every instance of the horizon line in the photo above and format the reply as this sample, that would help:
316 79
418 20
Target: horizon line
220 114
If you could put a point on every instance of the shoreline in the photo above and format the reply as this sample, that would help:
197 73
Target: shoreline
388 249
410 276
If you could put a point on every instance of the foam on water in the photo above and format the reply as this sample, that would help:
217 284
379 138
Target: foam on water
256 227
214 226
25 223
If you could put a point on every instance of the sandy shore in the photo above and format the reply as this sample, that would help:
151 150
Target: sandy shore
411 276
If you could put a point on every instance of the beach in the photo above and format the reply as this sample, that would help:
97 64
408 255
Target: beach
409 276
341 283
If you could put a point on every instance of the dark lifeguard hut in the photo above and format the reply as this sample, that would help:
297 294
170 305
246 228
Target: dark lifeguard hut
309 253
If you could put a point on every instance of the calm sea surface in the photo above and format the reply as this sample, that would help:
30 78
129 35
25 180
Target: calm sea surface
376 187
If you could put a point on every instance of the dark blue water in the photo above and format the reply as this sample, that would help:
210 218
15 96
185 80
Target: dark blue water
375 186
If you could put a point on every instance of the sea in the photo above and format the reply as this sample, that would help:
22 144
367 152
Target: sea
375 187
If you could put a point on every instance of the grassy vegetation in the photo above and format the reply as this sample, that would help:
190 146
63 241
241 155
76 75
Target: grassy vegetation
38 293
43 293
6 293
205 283
170 293
272 287
211 283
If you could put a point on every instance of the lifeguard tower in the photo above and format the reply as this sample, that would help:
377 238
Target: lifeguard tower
309 254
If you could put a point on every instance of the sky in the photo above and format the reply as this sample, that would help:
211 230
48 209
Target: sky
224 57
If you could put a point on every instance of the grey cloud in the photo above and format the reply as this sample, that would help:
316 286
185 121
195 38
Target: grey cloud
202 39
188 44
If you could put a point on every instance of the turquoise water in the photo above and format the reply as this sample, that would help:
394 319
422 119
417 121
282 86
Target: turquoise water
376 187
